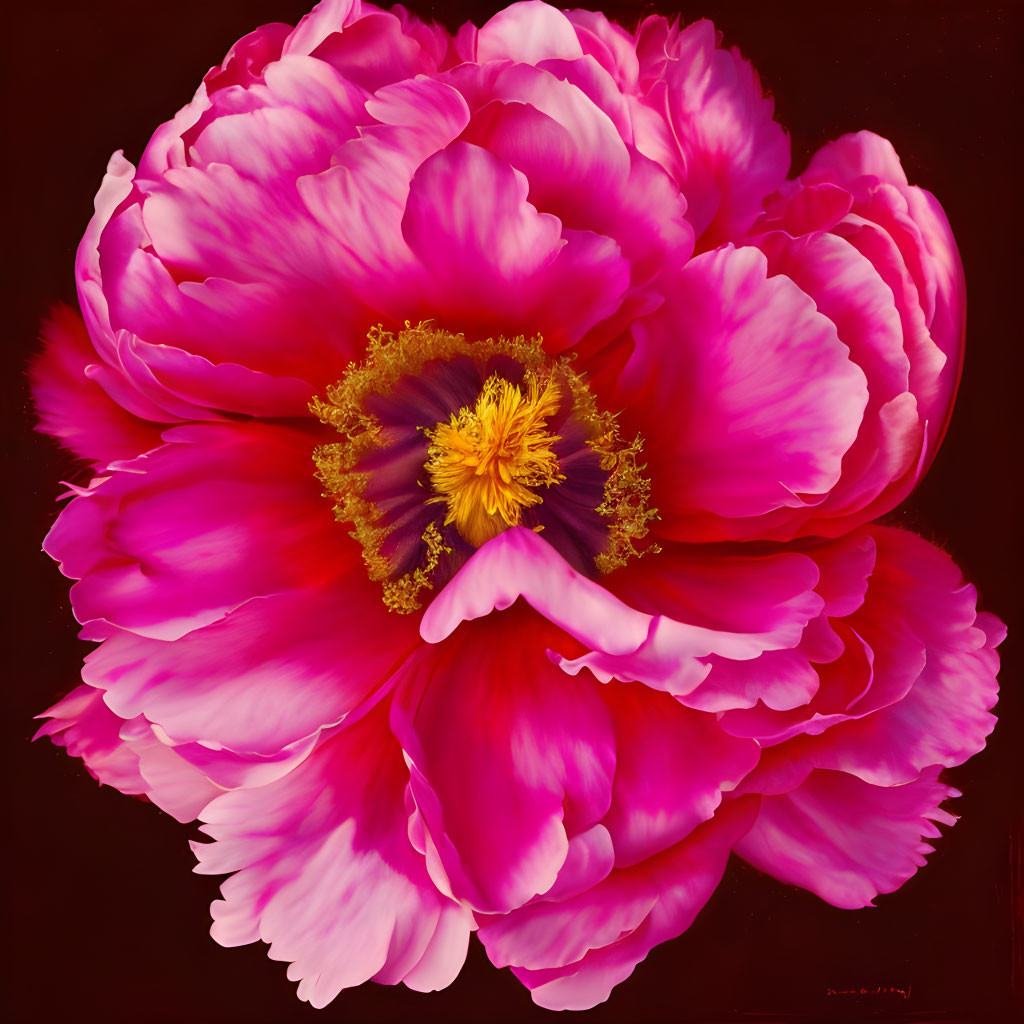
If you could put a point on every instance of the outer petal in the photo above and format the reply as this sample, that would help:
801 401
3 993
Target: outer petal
324 20
527 32
173 541
72 407
855 188
541 749
326 874
844 839
717 135
610 44
379 48
287 125
113 191
83 724
744 394
299 661
932 680
846 287
126 755
578 950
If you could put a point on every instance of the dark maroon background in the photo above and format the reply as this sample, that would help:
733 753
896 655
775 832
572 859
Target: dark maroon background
107 923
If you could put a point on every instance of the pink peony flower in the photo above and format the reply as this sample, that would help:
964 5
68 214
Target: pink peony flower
416 374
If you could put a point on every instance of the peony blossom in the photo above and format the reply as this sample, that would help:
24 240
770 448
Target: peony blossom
485 438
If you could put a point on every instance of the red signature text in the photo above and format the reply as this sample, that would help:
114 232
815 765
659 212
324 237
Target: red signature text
865 990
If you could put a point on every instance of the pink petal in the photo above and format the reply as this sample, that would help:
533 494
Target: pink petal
731 154
652 902
235 249
169 375
846 288
672 766
300 661
286 126
172 782
932 686
72 407
83 724
851 157
624 643
590 859
326 875
114 189
766 595
948 322
844 839
610 44
740 593
126 754
492 262
542 752
526 33
578 167
744 394
327 18
918 258
377 50
361 200
174 540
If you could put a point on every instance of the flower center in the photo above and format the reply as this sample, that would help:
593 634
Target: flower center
445 442
488 460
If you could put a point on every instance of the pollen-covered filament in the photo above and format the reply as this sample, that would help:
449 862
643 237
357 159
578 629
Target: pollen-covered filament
488 460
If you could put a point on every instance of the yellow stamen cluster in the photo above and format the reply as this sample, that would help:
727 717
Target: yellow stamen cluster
487 461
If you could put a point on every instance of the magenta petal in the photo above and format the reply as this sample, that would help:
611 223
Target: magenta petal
468 212
590 859
853 157
625 644
931 678
362 198
300 661
520 563
327 18
174 540
166 374
654 901
731 434
126 754
727 152
672 767
83 724
904 232
115 188
70 404
492 261
844 839
527 32
848 290
542 749
559 138
325 872
610 44
285 126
